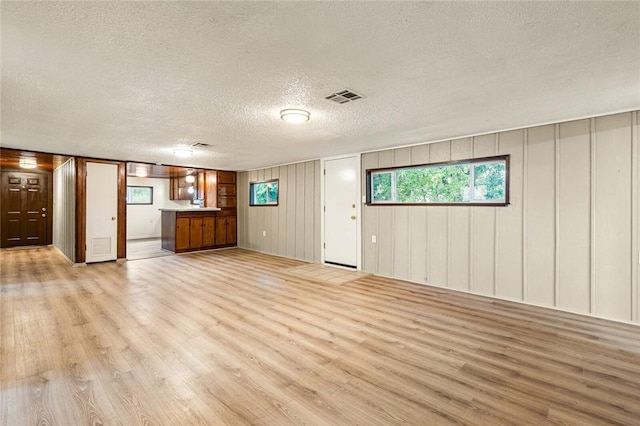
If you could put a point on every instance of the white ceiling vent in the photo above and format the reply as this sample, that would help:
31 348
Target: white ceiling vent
200 145
344 96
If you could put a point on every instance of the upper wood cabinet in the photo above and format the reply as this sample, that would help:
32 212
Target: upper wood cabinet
226 190
179 189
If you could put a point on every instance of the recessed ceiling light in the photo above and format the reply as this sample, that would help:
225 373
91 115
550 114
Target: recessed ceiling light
190 179
182 152
295 115
28 163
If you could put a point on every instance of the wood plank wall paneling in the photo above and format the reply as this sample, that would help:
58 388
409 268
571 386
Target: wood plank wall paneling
64 214
293 227
635 251
541 224
612 192
575 216
568 240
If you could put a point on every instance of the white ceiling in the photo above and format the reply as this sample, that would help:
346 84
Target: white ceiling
132 80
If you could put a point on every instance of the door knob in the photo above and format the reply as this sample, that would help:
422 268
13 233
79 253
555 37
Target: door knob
44 215
353 218
113 218
44 209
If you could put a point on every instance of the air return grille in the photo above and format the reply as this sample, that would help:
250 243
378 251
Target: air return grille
344 96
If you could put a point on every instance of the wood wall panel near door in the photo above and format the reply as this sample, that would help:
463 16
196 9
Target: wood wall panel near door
386 240
64 230
370 223
612 192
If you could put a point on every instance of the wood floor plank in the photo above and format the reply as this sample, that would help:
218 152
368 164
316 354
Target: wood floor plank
233 337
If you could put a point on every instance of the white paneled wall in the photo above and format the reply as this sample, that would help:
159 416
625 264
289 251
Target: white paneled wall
64 210
569 238
145 220
292 228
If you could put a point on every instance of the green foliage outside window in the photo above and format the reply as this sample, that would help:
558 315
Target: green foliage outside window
446 183
139 195
263 193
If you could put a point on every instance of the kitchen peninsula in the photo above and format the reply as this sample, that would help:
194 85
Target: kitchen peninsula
189 229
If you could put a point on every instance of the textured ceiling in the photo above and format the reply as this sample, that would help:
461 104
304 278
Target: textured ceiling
132 80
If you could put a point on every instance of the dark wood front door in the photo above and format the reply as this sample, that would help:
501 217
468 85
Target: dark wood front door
24 209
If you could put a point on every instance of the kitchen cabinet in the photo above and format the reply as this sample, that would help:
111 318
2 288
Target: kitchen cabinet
188 229
226 220
226 230
179 189
207 188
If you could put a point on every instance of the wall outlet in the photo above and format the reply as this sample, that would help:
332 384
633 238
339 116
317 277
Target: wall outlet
264 233
374 239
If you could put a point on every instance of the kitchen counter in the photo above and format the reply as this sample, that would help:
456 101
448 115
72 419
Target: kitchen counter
189 229
192 209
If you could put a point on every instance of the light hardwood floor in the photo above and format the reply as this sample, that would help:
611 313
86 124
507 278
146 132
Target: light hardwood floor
227 338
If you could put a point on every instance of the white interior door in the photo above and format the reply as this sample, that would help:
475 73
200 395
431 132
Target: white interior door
102 212
341 210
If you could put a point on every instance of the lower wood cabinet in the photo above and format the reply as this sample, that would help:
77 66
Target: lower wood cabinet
194 230
226 230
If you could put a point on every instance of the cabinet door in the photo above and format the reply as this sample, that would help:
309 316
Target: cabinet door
201 186
210 192
231 230
208 232
226 177
182 233
196 233
221 231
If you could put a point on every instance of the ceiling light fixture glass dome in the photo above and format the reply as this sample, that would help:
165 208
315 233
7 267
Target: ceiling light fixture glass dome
182 152
295 115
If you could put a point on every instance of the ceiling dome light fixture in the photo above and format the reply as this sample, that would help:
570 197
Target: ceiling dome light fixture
182 152
295 115
190 179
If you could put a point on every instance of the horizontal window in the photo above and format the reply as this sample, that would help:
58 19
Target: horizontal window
263 193
480 181
139 195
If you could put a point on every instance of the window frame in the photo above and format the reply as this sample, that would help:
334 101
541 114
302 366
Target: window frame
471 202
150 188
252 196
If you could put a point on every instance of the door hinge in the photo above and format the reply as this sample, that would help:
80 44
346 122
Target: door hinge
324 245
324 172
324 208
